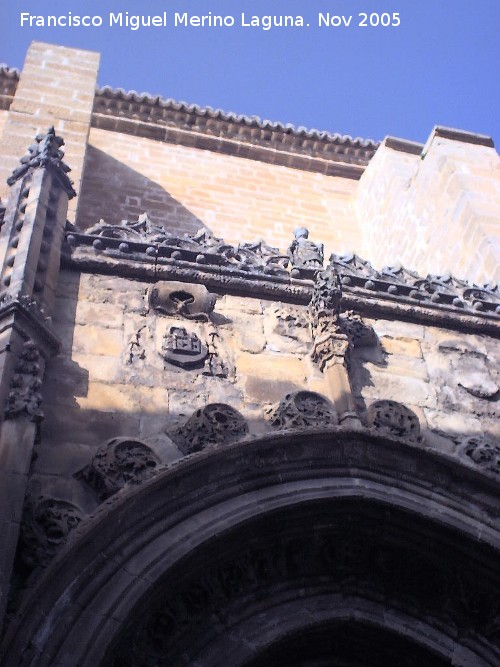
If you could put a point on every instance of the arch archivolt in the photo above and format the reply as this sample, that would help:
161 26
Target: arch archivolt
183 529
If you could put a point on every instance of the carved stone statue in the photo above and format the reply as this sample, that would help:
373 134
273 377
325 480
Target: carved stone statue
304 255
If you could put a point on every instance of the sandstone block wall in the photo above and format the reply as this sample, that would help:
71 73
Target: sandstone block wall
111 379
437 211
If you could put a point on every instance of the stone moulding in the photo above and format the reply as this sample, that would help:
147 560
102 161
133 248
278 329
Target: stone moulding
118 557
139 249
215 130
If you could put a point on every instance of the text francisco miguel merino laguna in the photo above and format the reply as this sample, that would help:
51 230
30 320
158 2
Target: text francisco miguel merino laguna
177 20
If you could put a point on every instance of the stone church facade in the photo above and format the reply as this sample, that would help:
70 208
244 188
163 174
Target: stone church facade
250 387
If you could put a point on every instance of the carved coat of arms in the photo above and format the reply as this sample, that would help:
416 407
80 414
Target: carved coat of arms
183 348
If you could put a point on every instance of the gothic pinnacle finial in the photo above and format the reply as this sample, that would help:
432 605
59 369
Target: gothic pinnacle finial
45 152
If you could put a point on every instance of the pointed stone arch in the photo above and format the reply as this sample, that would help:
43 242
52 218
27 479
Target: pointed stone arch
356 528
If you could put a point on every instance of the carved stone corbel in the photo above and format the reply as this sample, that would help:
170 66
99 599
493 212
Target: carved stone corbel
192 302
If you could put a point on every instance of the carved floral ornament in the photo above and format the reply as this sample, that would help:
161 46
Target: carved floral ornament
484 452
25 398
118 463
394 419
302 409
144 241
214 424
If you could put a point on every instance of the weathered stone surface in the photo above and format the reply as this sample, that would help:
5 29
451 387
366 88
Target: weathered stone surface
249 335
403 346
287 329
93 339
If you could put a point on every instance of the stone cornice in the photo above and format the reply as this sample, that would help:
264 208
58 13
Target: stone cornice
141 250
231 134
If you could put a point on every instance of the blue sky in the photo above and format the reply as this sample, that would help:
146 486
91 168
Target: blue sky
440 66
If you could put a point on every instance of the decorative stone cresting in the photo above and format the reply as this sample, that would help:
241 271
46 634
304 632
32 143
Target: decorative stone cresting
395 419
119 462
24 397
145 242
192 302
142 239
484 452
302 409
45 527
215 424
397 282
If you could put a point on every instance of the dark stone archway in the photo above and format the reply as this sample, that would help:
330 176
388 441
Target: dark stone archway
290 547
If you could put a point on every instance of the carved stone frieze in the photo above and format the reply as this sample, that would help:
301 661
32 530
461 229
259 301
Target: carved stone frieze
350 266
118 463
482 451
181 258
190 301
306 257
443 288
483 298
24 398
215 424
183 348
395 419
302 409
45 527
397 281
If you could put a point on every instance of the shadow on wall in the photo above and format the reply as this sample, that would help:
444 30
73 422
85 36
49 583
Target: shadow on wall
115 192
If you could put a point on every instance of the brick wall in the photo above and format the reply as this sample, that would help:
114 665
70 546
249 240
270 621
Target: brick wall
237 198
56 87
437 214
